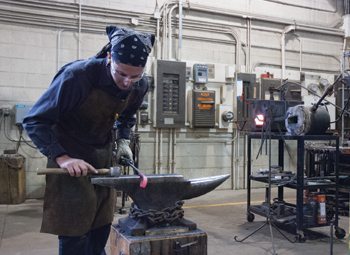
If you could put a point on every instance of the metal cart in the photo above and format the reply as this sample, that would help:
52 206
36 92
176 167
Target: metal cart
287 214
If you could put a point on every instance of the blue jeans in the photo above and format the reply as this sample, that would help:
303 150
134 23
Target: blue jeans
92 243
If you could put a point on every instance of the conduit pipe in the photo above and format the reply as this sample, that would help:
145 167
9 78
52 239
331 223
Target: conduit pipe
95 25
306 28
58 49
179 47
170 32
285 31
301 26
160 154
235 156
249 57
237 160
165 54
237 38
278 66
169 151
305 7
79 31
174 152
156 167
157 55
229 31
165 31
300 53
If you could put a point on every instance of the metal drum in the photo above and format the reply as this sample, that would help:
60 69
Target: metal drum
303 120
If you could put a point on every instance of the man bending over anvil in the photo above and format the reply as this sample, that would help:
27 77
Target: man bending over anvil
72 123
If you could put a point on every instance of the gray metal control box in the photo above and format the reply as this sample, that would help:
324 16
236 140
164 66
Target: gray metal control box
248 86
171 93
20 111
200 73
203 108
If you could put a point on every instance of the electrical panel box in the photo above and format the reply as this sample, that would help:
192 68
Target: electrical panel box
200 73
246 89
202 110
20 111
171 93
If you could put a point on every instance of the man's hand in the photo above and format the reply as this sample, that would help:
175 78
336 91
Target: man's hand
76 167
123 150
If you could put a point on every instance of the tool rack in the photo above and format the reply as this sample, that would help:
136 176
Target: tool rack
299 183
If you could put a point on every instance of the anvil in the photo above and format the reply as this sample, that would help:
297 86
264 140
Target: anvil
162 191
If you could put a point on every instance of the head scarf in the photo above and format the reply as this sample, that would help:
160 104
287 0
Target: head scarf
129 46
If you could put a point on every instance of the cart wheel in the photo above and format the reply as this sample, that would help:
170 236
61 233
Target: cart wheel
250 217
339 233
300 238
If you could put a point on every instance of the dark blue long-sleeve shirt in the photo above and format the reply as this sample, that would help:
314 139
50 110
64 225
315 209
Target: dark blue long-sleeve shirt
68 90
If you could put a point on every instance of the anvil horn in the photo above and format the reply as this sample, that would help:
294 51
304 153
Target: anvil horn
204 185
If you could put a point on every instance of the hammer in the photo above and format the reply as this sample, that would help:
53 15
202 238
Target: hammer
113 171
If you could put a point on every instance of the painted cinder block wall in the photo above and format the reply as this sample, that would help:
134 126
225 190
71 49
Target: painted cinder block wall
38 37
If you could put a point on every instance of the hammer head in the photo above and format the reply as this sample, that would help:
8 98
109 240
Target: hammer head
115 171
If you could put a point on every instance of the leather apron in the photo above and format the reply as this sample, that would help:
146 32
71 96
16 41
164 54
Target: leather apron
72 205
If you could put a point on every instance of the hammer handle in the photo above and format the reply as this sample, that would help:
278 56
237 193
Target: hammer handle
42 171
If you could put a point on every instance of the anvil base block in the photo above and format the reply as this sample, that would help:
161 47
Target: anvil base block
160 241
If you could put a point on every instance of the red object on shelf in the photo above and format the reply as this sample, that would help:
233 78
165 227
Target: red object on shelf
266 75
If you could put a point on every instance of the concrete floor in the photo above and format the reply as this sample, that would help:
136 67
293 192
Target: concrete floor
221 214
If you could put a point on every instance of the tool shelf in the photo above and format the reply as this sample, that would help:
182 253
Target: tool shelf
291 216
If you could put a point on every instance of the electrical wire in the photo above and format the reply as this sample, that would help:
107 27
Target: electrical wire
342 112
1 118
265 129
5 132
20 140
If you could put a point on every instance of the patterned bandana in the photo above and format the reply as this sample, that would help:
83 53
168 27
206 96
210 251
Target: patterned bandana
128 46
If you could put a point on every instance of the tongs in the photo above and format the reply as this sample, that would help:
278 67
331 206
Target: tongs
129 162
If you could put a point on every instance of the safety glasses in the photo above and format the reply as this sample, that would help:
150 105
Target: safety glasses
120 75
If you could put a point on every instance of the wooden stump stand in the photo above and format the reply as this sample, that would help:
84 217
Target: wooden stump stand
159 241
